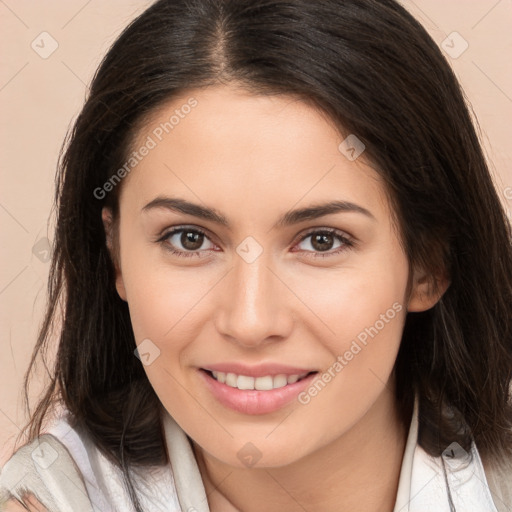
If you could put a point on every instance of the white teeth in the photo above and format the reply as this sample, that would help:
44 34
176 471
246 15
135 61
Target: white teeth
231 380
265 383
280 381
221 377
243 382
292 378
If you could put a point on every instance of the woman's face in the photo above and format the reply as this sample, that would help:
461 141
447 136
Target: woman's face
269 290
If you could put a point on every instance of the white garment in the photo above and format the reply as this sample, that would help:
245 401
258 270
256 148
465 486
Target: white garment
179 487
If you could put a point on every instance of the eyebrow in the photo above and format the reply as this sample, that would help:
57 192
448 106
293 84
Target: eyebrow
288 219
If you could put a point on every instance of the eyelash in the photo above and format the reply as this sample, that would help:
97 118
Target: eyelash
344 239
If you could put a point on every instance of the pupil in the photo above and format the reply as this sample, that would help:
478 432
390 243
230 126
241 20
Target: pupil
324 239
189 240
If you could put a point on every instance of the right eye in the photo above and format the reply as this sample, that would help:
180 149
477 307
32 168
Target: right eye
191 240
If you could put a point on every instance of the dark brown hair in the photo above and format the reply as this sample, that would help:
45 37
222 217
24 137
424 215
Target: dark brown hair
374 70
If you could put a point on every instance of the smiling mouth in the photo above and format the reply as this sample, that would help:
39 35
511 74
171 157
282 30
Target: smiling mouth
264 383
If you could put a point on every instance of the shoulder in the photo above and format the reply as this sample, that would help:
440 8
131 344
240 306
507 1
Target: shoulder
65 470
45 469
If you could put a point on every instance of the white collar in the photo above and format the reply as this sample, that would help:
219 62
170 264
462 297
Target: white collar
423 482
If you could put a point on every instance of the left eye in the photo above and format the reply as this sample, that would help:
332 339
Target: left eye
323 241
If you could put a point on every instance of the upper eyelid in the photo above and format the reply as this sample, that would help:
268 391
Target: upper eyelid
165 233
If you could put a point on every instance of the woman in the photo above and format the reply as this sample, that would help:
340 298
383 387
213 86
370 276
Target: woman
285 272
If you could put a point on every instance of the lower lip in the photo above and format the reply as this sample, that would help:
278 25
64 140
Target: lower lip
253 401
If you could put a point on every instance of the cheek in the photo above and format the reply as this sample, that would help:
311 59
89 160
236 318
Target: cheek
165 304
365 312
347 302
164 307
161 297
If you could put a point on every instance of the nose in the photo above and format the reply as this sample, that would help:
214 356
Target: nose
255 307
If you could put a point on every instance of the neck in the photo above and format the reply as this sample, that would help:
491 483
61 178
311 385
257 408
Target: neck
358 471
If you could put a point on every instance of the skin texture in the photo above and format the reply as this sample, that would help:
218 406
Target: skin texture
253 158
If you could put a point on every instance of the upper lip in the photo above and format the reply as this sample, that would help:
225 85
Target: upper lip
260 370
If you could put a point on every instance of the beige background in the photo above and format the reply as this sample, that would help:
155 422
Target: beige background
40 97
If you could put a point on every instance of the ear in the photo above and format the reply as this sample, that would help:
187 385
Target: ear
426 290
108 224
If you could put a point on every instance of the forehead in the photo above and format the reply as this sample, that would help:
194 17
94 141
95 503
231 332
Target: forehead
225 146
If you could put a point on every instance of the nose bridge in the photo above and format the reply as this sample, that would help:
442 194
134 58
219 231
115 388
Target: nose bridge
253 309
